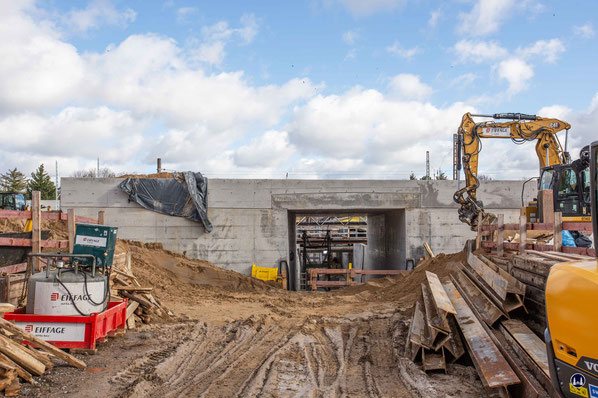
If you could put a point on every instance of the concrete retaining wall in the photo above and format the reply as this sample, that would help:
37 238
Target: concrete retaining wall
253 218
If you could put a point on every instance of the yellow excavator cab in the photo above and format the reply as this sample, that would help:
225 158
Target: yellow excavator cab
572 315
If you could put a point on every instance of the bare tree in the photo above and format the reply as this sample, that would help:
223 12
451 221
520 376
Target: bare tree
91 173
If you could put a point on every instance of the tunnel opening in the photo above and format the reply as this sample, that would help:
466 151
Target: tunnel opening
339 239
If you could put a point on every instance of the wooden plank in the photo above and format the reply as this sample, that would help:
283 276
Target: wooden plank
557 234
494 280
500 239
14 389
71 227
131 307
101 217
531 343
6 307
42 344
522 233
29 243
20 355
441 300
429 250
134 288
546 206
492 366
131 323
489 311
11 269
577 226
36 232
22 373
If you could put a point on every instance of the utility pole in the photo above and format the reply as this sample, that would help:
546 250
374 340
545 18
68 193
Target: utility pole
427 165
98 169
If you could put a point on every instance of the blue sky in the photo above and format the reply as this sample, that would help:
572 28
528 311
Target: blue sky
315 88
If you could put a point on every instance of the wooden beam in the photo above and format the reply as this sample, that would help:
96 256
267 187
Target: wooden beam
12 269
42 344
36 232
71 226
20 355
557 235
429 250
546 206
522 231
101 217
500 239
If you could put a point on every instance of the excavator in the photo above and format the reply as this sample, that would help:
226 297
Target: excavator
12 201
569 181
571 295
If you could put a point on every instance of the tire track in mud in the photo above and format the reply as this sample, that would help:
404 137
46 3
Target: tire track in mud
314 357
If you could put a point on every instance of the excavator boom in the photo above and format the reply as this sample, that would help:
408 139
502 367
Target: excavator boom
519 128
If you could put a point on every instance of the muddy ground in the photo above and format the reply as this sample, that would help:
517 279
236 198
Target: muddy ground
239 337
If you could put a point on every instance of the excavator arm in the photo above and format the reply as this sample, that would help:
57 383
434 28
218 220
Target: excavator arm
519 128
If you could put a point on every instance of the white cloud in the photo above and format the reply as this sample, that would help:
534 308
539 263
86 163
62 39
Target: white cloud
464 80
97 13
370 127
516 72
433 20
409 87
269 150
485 17
361 8
474 51
350 37
399 51
222 31
211 48
544 50
586 31
184 13
110 103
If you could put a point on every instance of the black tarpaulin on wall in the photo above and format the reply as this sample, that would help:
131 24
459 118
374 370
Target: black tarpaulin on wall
185 195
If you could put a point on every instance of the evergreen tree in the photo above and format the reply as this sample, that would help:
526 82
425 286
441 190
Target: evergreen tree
440 175
13 181
412 176
41 181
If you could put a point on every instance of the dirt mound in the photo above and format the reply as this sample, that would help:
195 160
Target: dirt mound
405 287
155 175
174 276
58 228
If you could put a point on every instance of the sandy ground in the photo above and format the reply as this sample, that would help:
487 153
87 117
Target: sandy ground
240 337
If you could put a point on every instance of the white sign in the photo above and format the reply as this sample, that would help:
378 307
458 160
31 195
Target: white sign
52 299
497 131
90 241
55 331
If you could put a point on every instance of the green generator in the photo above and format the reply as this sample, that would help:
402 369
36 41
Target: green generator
96 240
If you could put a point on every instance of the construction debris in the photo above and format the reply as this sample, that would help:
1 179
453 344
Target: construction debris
142 305
18 360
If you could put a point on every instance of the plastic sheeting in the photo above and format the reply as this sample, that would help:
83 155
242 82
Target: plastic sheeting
185 195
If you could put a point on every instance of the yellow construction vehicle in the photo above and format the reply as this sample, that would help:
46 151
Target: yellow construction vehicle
519 128
571 309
